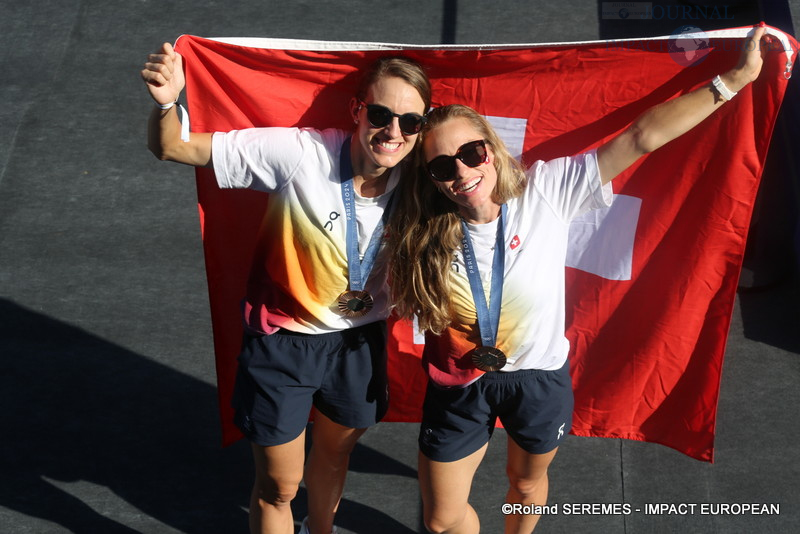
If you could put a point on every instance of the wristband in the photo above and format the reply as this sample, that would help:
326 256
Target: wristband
722 89
183 116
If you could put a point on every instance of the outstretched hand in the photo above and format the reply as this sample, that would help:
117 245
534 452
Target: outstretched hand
163 74
661 124
754 49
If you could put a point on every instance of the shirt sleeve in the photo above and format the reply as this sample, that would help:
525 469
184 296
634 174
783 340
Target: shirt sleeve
571 185
263 159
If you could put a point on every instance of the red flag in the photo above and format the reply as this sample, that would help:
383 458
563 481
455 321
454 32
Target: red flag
651 282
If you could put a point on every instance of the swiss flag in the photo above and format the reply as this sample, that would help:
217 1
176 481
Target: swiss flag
651 280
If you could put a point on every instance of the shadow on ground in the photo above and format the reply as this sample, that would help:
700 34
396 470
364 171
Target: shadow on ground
88 424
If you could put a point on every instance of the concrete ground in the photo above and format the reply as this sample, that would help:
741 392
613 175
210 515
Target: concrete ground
106 363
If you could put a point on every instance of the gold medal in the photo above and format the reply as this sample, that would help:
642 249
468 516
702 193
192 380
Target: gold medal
488 358
354 303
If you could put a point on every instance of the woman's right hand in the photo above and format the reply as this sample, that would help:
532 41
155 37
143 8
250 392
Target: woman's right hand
163 75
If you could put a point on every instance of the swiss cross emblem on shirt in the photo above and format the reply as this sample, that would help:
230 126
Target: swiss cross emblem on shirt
515 242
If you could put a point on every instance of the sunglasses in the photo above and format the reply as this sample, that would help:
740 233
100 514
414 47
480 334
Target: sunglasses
381 116
472 154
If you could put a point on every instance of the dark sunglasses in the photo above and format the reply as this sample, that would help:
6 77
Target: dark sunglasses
381 116
472 154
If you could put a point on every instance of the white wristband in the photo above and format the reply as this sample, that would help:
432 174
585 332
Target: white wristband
183 116
722 89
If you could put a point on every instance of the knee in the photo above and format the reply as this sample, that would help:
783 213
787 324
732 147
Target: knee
437 523
276 493
527 485
436 527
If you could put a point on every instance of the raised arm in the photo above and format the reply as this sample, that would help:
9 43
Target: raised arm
163 75
665 122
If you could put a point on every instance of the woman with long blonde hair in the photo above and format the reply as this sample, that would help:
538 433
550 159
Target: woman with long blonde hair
478 256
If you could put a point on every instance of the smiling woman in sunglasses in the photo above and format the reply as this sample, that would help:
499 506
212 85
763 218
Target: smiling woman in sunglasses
478 254
314 314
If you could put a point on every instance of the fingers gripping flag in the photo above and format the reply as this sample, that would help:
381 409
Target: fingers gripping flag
650 282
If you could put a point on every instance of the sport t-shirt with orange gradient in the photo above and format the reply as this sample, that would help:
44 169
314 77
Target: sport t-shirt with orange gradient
532 324
300 263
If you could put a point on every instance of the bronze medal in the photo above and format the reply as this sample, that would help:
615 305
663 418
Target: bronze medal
354 303
488 358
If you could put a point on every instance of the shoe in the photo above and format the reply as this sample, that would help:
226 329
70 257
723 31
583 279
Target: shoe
304 528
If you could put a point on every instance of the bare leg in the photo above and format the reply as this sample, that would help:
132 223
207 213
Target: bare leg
528 484
445 488
326 470
279 470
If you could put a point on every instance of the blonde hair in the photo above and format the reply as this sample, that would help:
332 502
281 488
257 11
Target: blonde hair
425 230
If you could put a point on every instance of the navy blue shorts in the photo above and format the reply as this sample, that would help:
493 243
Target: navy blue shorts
281 376
534 406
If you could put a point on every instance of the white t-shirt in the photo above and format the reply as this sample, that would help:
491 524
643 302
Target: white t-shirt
532 319
300 263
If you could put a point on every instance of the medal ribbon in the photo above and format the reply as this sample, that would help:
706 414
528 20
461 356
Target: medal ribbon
357 270
488 316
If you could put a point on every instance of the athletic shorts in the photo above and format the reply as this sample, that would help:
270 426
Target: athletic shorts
534 406
282 375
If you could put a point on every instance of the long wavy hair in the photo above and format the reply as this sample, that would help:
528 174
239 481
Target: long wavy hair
425 230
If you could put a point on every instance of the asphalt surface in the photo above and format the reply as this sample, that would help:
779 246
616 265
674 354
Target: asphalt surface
107 383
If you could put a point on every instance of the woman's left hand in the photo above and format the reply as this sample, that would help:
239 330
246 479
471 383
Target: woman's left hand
751 60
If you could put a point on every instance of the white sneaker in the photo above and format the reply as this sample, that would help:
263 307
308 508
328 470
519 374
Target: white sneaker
304 528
